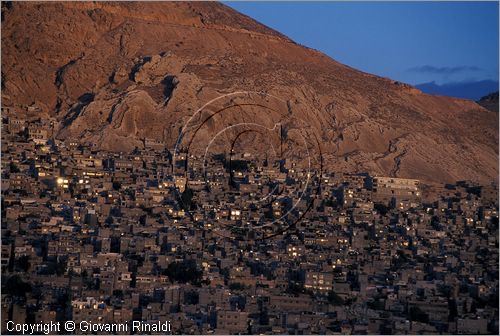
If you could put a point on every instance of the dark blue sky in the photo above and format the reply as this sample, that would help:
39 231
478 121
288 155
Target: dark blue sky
411 42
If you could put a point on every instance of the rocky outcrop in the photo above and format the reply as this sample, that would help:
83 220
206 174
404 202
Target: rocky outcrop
490 102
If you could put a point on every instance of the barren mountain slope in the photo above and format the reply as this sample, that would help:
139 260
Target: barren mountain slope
116 73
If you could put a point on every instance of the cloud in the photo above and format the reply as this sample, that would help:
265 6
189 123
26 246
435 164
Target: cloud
444 70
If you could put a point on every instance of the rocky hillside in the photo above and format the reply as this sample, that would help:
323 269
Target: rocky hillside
116 73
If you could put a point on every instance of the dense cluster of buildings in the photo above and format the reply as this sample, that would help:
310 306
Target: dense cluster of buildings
121 237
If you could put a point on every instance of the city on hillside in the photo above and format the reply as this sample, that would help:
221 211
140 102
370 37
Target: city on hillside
89 235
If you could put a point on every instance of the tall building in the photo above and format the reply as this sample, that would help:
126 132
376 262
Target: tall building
392 189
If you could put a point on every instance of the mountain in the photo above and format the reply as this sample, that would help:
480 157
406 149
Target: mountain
490 101
467 90
116 73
